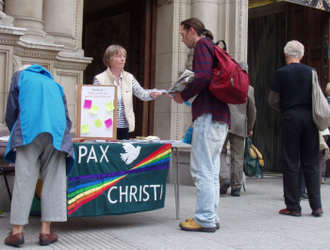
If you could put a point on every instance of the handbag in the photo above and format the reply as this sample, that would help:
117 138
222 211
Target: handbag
253 164
321 107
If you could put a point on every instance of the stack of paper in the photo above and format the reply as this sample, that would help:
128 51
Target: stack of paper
4 138
186 78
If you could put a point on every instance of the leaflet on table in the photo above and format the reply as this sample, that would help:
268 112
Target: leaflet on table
186 78
4 138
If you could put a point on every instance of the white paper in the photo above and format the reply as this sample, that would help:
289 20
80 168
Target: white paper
158 90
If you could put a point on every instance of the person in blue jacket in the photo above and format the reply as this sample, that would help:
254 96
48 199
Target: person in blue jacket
39 142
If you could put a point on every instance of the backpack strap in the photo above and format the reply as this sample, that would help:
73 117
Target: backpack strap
224 44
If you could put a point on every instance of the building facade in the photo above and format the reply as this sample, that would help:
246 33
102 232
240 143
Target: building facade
44 32
69 37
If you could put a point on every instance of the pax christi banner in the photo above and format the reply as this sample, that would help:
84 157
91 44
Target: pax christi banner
117 178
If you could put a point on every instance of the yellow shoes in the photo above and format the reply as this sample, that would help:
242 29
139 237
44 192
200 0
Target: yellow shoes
191 225
217 224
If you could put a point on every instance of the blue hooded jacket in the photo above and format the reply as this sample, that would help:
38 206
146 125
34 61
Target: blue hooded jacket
37 104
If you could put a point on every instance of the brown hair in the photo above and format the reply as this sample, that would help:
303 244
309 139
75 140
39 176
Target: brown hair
198 26
111 51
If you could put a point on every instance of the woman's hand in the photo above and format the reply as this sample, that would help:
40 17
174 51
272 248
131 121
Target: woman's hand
154 94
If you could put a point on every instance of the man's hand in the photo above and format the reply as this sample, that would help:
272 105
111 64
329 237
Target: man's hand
176 96
250 133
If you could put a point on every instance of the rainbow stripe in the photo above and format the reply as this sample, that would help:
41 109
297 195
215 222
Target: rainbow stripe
83 189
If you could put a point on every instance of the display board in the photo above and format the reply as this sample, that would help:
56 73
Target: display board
96 114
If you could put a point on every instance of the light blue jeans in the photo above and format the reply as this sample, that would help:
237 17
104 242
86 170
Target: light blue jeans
208 139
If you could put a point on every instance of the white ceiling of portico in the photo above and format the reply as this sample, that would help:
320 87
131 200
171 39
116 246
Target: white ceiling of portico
95 5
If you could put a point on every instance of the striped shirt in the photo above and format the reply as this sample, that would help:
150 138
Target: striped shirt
203 62
138 91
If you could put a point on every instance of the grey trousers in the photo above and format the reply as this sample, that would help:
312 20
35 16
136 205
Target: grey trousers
39 157
234 171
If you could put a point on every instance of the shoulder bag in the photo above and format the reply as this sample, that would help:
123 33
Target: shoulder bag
321 107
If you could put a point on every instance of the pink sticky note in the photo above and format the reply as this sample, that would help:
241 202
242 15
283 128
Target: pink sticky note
108 123
88 104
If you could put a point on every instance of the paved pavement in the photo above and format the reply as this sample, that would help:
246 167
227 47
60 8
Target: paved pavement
251 221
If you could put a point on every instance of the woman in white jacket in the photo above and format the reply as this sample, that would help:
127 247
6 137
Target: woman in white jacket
114 58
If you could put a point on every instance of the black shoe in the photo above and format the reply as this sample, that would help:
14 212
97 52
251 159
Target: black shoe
317 212
224 186
304 196
236 192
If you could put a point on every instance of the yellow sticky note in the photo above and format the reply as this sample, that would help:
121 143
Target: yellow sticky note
94 109
110 106
98 123
84 129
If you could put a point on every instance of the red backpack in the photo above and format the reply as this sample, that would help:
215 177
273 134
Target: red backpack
230 83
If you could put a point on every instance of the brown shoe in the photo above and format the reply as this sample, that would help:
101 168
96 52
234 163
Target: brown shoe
15 240
46 239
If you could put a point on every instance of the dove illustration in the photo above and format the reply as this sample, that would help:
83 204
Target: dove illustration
131 153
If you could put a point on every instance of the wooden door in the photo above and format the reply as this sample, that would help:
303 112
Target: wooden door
132 25
311 27
143 25
266 36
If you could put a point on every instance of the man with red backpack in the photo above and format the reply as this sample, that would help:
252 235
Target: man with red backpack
211 122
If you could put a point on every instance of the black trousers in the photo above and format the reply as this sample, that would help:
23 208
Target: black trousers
122 134
300 143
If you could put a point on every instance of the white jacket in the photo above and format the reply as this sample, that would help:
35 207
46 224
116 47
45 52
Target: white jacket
107 78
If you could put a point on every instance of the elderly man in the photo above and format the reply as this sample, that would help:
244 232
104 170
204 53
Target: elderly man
291 94
40 142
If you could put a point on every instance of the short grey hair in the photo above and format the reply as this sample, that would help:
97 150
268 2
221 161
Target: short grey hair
327 89
244 66
294 49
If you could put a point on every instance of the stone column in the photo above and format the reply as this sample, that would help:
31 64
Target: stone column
59 21
28 14
9 35
63 21
4 19
207 12
233 27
